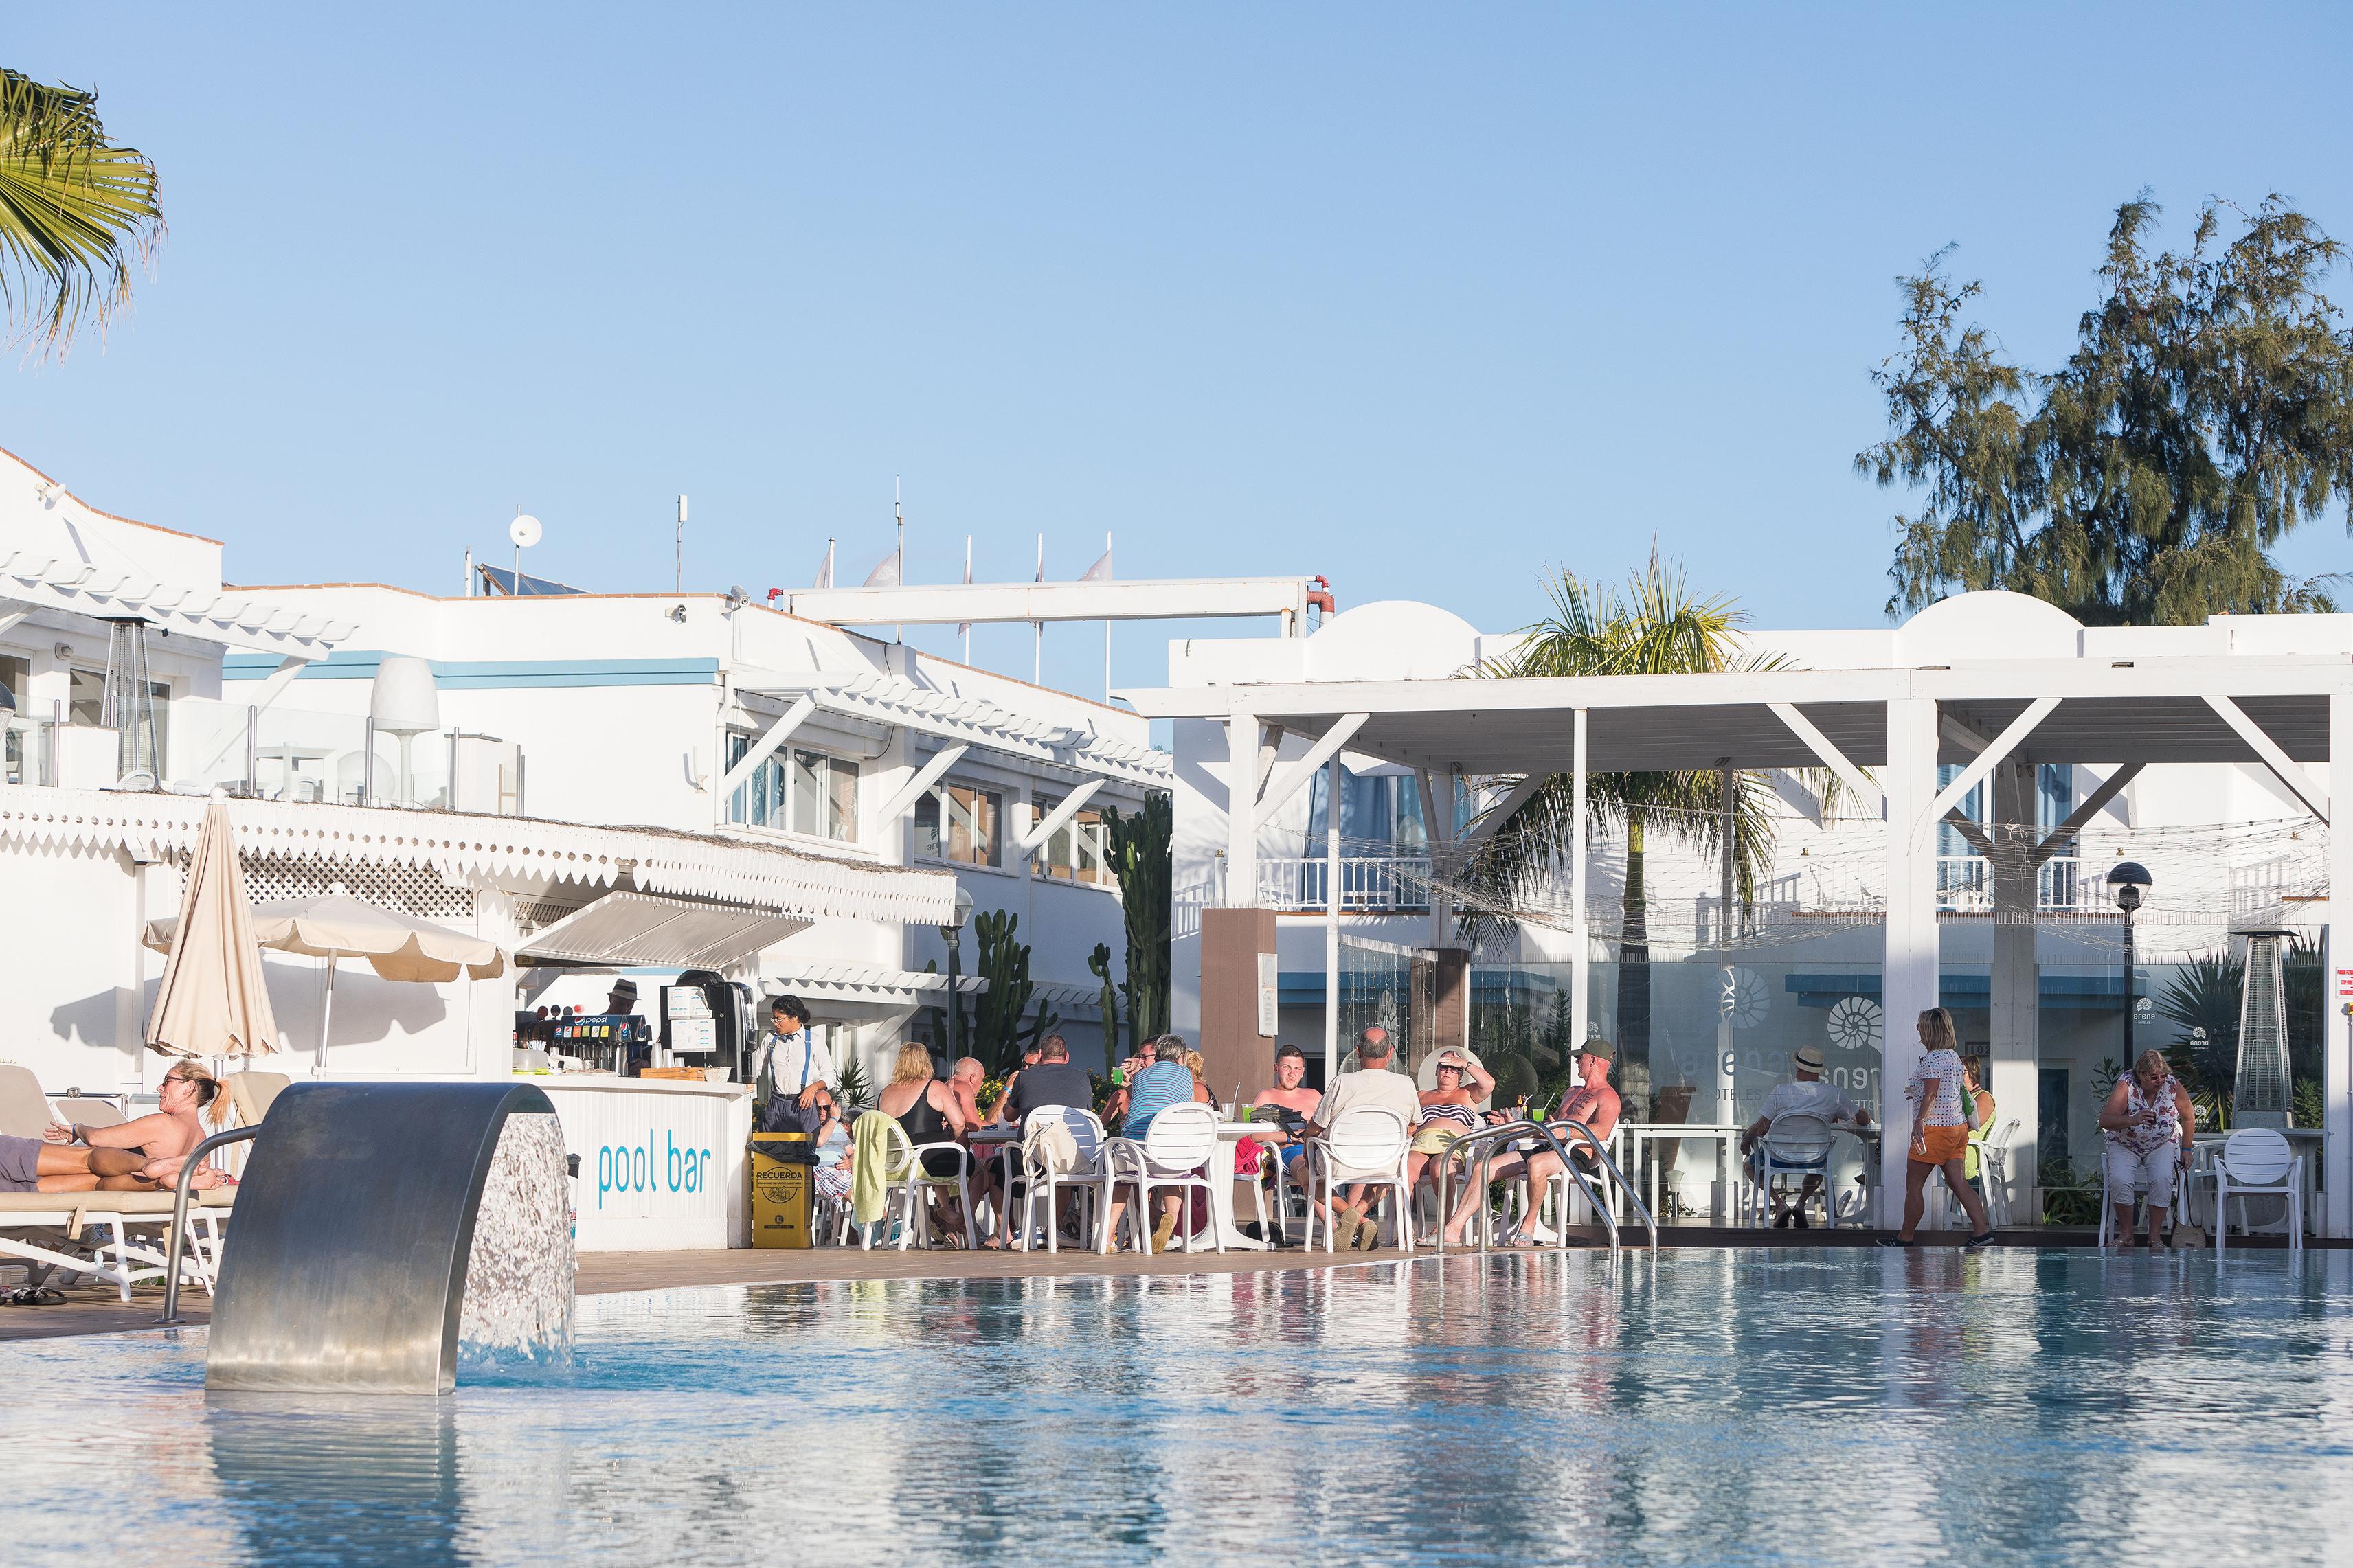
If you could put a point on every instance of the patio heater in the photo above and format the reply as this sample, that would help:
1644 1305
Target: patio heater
953 933
2126 880
130 702
2259 1090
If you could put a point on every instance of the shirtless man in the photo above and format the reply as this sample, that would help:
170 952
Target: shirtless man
140 1155
1290 1072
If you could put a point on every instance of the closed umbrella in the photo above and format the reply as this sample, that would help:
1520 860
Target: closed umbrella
396 946
212 1002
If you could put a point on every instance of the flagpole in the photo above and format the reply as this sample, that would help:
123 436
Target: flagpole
1038 628
1108 573
899 516
967 583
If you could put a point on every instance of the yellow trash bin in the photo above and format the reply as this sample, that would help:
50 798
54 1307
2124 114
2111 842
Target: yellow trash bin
783 1189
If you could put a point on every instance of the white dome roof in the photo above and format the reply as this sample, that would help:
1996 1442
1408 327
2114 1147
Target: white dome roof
1391 639
1993 624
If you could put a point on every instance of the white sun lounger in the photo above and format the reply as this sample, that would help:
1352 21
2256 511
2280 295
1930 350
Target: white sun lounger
118 1238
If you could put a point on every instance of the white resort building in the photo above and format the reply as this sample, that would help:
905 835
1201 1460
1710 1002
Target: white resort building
1990 762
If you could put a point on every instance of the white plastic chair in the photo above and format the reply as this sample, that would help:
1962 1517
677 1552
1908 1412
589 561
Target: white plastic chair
1794 1145
1365 1148
1993 1172
910 1184
1175 1150
1090 1174
2258 1162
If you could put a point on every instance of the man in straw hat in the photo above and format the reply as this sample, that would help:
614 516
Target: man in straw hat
139 1155
1806 1094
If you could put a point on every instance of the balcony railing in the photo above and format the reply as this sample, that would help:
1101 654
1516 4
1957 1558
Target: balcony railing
280 754
1369 884
1965 885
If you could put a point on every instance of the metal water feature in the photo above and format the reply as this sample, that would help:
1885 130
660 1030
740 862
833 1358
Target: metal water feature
379 1224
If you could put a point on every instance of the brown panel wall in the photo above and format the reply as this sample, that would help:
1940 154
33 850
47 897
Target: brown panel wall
1231 940
1450 1000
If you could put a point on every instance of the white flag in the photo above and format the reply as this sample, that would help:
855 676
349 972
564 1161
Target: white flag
1098 573
825 572
886 575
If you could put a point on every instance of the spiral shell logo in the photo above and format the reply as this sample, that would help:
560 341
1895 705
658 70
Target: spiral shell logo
1854 1023
1743 997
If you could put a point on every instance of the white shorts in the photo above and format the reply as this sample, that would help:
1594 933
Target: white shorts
2151 1172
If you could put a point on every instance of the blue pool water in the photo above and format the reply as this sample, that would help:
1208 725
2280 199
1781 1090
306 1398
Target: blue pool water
1756 1407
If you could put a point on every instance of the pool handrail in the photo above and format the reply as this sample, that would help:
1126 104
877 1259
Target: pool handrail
1486 1138
178 1240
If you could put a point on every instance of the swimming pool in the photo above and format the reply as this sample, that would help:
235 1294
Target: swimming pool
1829 1406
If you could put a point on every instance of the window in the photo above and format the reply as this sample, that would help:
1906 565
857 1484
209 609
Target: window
807 793
15 739
1380 814
960 824
1079 851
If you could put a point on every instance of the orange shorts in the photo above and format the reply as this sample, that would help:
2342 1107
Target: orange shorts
1941 1143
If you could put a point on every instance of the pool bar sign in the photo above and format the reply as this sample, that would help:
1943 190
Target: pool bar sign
640 1168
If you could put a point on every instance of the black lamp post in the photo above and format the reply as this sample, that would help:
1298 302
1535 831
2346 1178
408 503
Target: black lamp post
2126 880
953 933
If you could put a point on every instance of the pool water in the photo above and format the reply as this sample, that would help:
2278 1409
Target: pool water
1843 1406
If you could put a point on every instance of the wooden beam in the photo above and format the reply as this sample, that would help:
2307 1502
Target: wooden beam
926 777
2283 767
1051 823
1299 772
762 749
1830 755
1997 751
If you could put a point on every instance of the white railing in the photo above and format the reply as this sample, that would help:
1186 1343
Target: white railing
1371 884
1965 885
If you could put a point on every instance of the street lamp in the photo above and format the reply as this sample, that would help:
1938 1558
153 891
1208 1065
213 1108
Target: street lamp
953 933
2127 878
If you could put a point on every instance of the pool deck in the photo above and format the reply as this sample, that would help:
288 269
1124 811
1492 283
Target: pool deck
92 1309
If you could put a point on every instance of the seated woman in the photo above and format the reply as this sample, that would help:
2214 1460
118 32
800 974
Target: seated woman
2149 1124
1448 1112
930 1112
142 1154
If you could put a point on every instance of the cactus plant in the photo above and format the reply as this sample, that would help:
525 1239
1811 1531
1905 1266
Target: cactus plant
1099 964
1139 858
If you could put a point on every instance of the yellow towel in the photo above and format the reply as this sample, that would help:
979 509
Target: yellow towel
869 1160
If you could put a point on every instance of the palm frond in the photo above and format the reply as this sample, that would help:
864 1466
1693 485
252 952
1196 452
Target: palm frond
74 209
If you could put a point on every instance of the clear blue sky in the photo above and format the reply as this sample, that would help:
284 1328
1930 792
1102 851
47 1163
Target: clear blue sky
1421 297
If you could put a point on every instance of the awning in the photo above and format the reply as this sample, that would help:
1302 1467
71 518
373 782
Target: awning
644 930
2089 991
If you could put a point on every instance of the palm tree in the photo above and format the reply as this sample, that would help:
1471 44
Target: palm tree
1653 626
73 208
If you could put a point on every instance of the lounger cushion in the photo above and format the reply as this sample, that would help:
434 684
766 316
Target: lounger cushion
110 1203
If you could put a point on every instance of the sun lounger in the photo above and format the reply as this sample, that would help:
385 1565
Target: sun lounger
118 1238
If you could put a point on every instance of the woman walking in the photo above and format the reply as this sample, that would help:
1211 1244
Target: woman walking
1940 1132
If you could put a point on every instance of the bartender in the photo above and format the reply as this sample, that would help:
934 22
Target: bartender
793 1060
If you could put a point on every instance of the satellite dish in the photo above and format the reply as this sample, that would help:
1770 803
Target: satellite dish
524 531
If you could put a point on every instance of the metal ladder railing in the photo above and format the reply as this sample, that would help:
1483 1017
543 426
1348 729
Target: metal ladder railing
175 1247
1485 1142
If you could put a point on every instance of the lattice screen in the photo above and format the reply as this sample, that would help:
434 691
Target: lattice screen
412 889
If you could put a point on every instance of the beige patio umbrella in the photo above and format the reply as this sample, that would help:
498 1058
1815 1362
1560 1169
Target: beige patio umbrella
336 926
212 1002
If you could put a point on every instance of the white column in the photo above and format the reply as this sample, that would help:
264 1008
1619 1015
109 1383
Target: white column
1332 921
1580 1001
2017 991
1242 812
1908 983
1440 834
1727 894
2337 1057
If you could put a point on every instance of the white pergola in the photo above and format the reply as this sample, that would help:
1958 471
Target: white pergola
1899 721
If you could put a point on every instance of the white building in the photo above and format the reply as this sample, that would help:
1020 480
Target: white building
2196 752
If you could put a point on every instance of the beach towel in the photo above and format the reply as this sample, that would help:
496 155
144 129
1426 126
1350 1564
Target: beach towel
870 1167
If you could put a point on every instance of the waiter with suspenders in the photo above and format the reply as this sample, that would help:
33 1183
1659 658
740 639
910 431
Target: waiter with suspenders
794 1060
